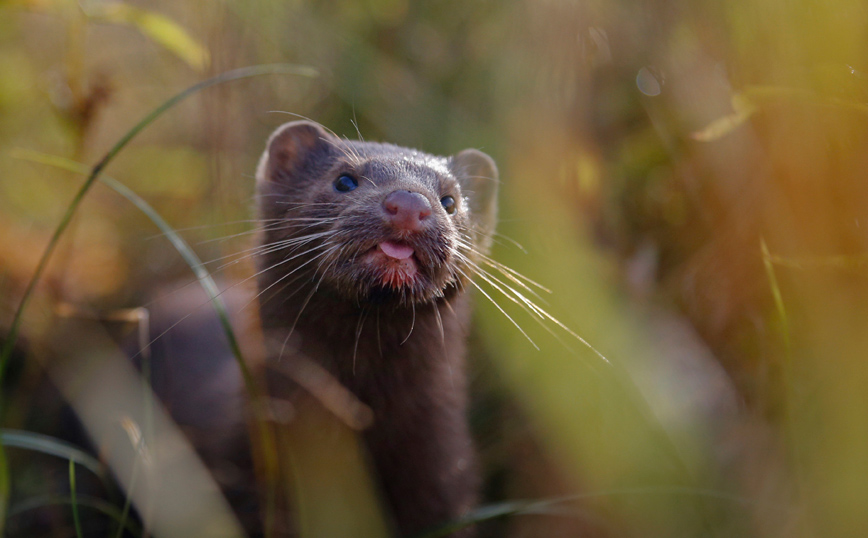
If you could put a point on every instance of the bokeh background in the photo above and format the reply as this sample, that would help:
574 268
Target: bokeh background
687 178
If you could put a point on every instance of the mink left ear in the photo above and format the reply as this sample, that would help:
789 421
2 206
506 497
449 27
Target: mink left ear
288 149
477 175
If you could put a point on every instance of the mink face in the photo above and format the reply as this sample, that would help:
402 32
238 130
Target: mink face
373 222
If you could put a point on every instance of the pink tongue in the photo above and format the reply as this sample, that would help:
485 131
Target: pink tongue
394 250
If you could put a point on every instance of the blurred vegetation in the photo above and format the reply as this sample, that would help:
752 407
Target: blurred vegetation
686 177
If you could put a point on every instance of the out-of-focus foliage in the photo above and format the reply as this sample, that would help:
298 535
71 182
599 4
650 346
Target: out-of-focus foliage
686 177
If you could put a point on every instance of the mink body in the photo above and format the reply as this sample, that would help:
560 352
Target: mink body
338 287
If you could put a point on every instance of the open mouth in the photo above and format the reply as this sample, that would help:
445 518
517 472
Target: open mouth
395 263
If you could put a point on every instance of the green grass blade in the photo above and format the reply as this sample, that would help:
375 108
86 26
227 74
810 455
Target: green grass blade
236 74
4 488
83 501
207 282
76 520
53 447
554 505
480 515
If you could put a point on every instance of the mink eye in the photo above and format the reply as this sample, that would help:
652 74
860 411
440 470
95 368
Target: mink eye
346 183
448 204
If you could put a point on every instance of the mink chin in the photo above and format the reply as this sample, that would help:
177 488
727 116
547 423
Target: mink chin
364 258
366 271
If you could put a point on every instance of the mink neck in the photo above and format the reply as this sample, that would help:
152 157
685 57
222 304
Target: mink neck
407 365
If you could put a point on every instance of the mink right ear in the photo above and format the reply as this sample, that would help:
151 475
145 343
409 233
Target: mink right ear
289 147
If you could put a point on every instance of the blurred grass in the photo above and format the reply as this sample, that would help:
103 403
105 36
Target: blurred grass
645 149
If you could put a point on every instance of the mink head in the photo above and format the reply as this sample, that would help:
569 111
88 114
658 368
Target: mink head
369 221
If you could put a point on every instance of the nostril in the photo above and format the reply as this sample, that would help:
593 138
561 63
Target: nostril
391 206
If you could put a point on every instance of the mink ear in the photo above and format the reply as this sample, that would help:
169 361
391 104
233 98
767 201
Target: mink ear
477 175
290 147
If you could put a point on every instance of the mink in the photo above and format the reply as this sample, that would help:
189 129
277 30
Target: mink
364 261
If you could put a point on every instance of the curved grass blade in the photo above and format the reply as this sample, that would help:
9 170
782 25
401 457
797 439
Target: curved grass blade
235 74
550 506
45 444
83 501
207 282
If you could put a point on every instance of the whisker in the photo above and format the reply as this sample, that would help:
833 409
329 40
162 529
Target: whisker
295 269
510 240
359 326
267 249
440 325
529 306
207 226
412 325
356 125
502 311
519 299
307 300
499 266
298 205
272 228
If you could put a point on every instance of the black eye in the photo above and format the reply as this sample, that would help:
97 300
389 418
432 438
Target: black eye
448 204
346 183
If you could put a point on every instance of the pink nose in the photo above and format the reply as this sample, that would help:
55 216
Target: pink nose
406 210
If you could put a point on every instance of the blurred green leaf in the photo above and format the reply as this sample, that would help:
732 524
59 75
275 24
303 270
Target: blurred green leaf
161 29
767 95
746 103
4 487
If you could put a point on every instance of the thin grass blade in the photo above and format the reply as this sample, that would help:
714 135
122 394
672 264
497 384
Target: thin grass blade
83 501
75 518
45 444
4 488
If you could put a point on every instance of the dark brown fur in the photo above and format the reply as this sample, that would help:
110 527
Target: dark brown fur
399 350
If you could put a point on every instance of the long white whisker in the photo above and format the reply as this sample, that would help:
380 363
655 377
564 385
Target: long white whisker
261 248
359 326
440 325
271 228
295 269
530 307
207 226
412 325
502 311
501 267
